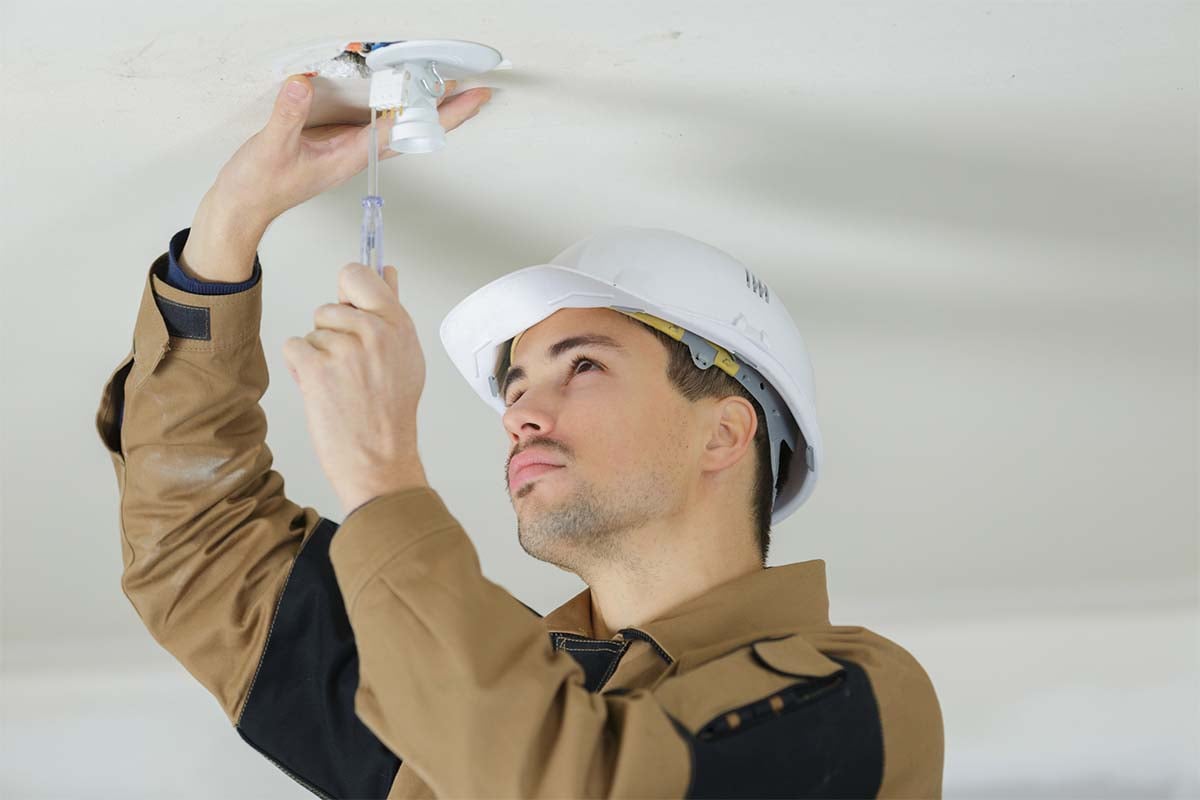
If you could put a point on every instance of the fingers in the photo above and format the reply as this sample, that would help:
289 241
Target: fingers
300 355
341 318
337 317
290 112
462 107
308 355
336 325
327 341
447 92
361 287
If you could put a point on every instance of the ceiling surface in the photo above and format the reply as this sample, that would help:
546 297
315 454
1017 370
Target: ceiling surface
982 217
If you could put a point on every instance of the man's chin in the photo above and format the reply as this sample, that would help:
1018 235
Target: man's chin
536 487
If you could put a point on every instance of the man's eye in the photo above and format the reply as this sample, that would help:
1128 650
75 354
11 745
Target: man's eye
575 362
581 360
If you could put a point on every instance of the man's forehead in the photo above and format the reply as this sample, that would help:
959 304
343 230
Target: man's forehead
568 328
567 321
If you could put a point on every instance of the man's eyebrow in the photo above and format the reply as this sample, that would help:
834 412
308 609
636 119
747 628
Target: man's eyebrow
557 349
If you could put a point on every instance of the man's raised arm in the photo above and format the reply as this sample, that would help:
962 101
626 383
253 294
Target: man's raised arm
227 573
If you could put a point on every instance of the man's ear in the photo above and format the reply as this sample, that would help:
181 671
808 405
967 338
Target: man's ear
734 423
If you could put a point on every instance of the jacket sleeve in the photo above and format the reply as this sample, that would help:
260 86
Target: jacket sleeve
227 574
457 675
175 276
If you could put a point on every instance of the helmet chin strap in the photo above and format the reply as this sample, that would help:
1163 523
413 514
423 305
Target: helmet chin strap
781 427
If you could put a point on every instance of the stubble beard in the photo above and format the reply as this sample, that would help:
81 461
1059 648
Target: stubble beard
588 526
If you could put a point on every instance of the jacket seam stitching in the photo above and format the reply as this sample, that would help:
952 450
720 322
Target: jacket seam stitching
575 644
590 649
207 337
561 638
275 615
312 787
612 667
645 637
163 347
187 344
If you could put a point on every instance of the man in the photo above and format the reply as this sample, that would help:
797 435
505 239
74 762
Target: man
647 454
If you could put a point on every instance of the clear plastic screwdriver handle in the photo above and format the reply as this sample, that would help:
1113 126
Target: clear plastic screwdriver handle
371 252
371 248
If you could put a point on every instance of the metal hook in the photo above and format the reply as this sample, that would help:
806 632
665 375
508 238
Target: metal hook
441 84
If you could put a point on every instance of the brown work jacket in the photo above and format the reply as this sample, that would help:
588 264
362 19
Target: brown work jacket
374 659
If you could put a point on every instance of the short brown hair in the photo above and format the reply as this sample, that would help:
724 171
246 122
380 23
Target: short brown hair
695 383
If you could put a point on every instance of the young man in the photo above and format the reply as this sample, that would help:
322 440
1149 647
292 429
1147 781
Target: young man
658 405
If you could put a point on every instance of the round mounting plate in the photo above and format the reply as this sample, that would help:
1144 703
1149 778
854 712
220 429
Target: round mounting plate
455 58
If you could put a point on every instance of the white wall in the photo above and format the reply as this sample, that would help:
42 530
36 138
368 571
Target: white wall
982 215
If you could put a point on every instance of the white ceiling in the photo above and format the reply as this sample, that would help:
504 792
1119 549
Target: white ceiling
981 215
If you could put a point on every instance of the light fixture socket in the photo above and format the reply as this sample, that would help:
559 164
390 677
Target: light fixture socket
412 75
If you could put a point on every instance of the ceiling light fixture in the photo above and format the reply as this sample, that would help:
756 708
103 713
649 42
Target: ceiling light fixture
410 77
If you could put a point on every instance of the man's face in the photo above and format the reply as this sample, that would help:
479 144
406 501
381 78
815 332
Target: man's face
613 424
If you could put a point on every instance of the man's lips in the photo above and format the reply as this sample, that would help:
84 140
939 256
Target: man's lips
528 473
528 465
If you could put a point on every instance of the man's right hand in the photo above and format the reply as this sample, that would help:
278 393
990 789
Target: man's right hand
283 165
280 167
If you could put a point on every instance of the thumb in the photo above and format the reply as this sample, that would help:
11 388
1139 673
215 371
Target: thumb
291 356
291 111
390 277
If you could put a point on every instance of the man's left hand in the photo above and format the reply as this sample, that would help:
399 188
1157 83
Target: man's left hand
361 372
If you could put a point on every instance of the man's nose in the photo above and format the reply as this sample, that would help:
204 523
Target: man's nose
529 416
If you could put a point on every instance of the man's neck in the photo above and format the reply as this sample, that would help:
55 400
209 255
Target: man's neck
621 599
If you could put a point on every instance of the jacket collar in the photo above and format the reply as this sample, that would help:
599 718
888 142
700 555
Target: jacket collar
774 600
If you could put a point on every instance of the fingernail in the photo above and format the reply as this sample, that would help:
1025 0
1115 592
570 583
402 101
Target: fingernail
297 90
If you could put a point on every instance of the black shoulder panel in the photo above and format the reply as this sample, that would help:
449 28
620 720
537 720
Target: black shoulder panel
819 738
300 708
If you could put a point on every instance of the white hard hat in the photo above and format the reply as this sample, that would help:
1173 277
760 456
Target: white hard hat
658 275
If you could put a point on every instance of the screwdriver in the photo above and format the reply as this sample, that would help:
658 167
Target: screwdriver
371 249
